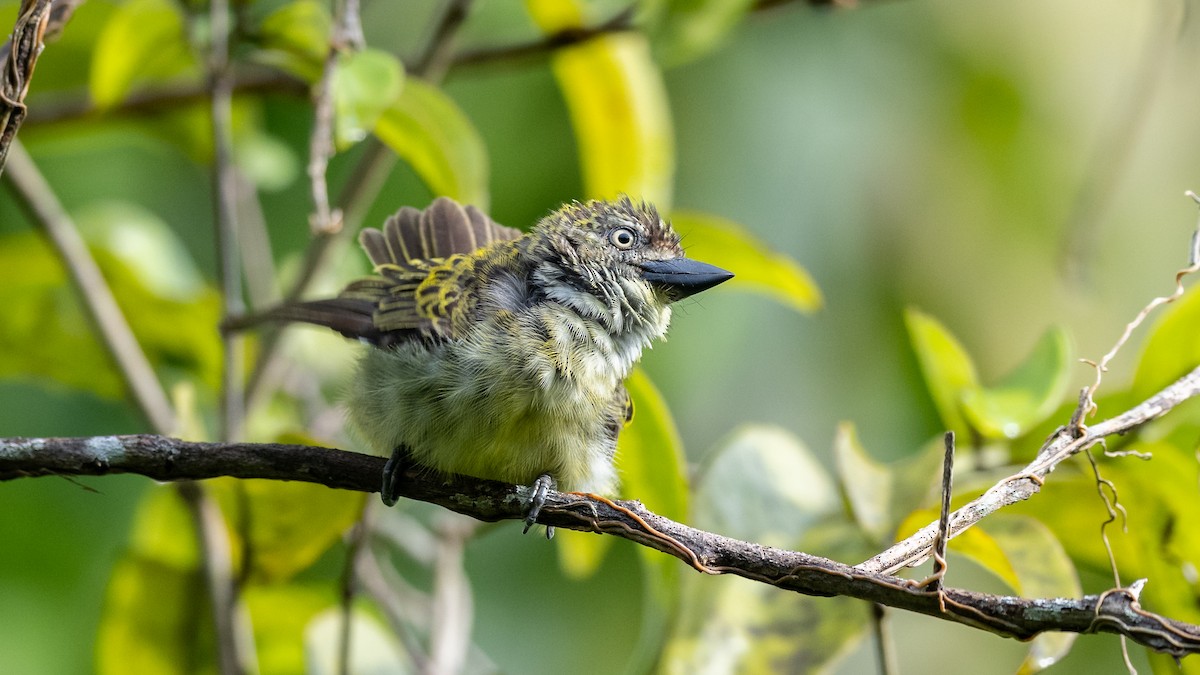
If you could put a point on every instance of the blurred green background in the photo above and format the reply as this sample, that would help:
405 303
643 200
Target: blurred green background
1001 166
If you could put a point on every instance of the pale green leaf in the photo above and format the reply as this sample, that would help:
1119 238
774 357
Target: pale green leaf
1025 397
755 266
47 334
684 30
155 620
365 83
866 483
286 526
946 366
580 553
295 37
1172 349
281 615
650 457
763 485
878 493
428 130
142 40
1044 571
374 650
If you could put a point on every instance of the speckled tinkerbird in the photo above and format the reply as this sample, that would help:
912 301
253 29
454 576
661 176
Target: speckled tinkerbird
502 355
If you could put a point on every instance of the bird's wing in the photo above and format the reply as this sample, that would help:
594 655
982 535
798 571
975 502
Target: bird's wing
444 229
424 284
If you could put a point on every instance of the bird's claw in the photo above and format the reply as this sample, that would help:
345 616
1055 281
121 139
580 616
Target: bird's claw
393 473
540 489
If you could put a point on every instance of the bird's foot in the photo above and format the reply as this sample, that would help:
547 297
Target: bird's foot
541 487
393 474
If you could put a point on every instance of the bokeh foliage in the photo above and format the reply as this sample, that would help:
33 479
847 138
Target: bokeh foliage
911 154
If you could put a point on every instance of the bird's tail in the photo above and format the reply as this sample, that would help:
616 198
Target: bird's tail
349 316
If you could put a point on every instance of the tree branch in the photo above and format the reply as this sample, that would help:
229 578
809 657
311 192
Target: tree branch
1064 443
167 459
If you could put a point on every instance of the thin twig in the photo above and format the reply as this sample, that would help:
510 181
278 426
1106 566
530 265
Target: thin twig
438 55
1087 404
164 97
215 552
38 199
355 546
1064 443
935 582
225 201
450 625
621 22
1115 611
17 60
1020 486
397 610
885 646
235 650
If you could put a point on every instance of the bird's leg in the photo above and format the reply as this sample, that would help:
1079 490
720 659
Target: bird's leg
541 487
393 473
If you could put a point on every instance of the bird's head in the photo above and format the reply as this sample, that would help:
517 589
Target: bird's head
620 251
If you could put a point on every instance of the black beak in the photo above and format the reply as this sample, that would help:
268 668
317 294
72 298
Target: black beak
681 277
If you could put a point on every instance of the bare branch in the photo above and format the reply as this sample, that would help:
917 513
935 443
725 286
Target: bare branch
1064 443
1115 611
17 59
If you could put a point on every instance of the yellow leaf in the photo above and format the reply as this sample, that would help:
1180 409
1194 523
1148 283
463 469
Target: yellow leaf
756 267
618 106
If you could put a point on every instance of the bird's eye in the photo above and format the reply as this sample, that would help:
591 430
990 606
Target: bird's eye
622 238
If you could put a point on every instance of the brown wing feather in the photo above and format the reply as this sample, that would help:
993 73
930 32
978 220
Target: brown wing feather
424 283
440 231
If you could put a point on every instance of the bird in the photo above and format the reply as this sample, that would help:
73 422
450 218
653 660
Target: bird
500 354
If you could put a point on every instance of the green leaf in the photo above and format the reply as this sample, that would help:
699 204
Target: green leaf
1172 349
866 483
756 267
281 615
650 457
47 334
285 526
142 40
428 130
762 484
1044 571
946 366
295 38
878 493
155 615
1028 395
365 84
618 105
155 620
684 30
